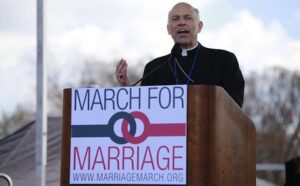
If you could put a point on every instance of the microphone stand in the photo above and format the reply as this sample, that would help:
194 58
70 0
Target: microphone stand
174 50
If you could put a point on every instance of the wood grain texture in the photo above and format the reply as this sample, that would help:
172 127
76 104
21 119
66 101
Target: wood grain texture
221 140
66 138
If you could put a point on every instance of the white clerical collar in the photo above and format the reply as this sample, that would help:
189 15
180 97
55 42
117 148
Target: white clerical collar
184 51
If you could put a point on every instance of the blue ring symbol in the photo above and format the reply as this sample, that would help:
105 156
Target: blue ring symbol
112 121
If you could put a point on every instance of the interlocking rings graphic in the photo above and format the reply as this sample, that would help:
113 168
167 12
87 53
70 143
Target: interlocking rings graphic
157 129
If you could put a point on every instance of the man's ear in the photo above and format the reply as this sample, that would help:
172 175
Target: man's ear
200 25
168 28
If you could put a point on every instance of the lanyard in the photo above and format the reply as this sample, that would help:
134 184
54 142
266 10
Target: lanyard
191 71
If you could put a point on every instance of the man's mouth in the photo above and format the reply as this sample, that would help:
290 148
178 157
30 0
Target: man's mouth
182 31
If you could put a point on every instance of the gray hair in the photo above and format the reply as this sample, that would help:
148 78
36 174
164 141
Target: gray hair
195 10
197 13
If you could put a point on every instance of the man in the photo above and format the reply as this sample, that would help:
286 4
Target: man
189 61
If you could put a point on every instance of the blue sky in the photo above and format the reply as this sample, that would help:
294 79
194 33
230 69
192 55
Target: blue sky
287 12
262 34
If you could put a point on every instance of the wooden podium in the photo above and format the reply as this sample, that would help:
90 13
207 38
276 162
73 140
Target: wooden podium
221 140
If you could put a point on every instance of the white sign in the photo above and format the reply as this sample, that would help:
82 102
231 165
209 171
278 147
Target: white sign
132 135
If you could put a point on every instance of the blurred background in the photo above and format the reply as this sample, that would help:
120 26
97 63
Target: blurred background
85 40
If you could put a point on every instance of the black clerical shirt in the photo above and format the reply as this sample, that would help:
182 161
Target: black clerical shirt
210 67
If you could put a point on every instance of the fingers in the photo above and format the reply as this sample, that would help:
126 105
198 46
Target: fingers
121 69
121 72
120 65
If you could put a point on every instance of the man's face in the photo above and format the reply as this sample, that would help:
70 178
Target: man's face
183 25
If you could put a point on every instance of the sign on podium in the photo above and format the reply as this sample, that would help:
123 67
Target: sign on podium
132 135
192 135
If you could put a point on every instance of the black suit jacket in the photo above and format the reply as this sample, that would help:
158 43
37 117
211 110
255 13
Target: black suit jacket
212 67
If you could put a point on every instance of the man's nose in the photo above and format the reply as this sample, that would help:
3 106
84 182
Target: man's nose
181 22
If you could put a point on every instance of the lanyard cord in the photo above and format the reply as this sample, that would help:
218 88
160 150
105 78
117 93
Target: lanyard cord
191 71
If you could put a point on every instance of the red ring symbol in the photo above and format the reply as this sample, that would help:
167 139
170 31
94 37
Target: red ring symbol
143 136
158 129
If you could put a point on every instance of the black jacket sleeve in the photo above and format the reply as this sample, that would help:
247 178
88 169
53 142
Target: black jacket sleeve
233 81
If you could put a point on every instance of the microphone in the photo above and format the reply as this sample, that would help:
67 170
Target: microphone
174 52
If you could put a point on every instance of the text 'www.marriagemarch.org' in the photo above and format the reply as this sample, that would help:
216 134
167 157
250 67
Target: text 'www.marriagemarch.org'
128 177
